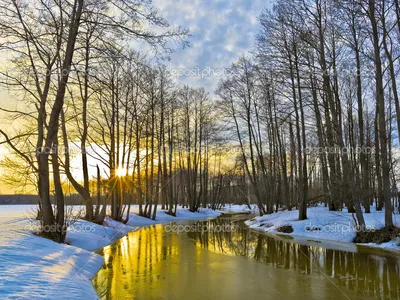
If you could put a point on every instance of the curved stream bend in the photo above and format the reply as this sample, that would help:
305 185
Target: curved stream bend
222 259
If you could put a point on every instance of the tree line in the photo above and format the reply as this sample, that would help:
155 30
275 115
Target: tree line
311 115
83 93
315 106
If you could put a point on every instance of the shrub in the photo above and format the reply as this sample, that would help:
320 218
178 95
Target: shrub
375 236
285 229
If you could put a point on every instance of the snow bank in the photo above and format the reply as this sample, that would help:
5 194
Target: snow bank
162 217
35 268
93 237
323 224
238 209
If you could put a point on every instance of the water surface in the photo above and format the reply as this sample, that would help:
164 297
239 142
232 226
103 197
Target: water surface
156 263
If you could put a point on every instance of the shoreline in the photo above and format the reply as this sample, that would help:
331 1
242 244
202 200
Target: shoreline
217 213
324 228
65 271
134 229
330 244
61 271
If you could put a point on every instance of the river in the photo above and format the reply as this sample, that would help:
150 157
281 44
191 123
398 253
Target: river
222 259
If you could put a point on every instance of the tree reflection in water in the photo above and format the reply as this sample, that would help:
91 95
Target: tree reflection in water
155 263
372 274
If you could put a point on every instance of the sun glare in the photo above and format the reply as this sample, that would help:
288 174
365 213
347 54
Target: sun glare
121 172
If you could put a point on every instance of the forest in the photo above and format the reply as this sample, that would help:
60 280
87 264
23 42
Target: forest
311 115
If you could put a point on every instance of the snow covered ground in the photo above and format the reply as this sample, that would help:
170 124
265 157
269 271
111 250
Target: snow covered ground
93 237
323 225
238 209
35 268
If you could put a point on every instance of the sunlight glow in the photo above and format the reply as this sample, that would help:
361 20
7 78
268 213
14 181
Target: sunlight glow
121 172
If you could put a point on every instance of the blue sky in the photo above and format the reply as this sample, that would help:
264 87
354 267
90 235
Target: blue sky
222 30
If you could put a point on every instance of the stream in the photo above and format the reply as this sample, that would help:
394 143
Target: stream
223 259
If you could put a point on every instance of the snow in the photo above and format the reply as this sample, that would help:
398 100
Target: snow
32 267
238 209
324 225
35 268
162 217
94 237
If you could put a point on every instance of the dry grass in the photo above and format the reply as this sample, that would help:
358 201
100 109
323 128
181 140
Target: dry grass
285 229
375 236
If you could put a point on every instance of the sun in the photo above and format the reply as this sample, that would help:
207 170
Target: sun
121 172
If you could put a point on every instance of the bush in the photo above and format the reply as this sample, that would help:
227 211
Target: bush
285 229
375 236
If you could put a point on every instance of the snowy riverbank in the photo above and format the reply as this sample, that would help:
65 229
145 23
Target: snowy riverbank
323 225
32 267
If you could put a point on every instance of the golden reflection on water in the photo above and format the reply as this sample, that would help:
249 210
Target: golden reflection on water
155 264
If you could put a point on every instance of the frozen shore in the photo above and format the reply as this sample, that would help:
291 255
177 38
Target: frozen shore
32 267
324 225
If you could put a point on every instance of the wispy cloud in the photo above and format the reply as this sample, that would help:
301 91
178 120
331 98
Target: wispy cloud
221 31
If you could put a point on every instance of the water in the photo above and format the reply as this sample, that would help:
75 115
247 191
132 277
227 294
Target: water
155 263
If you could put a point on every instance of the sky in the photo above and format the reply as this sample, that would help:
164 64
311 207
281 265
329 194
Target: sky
221 31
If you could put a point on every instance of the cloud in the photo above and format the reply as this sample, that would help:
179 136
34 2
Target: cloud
221 31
